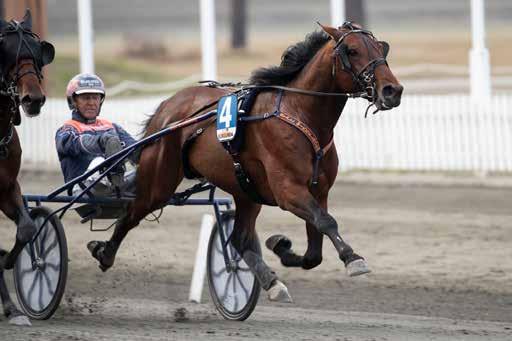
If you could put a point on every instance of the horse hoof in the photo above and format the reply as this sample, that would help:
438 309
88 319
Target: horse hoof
97 250
20 320
279 293
357 267
277 242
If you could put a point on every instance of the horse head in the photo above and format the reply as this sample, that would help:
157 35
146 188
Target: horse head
359 64
22 57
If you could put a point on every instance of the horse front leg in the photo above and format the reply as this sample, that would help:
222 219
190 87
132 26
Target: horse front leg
12 205
12 313
282 247
298 200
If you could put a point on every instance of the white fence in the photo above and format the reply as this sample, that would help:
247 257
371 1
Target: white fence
424 133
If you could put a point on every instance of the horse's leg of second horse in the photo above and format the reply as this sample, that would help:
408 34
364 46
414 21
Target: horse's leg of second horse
10 311
298 200
244 241
11 204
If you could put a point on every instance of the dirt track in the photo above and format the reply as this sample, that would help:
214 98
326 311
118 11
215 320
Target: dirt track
441 260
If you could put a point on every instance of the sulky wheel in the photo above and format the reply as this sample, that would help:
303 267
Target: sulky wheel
41 269
234 289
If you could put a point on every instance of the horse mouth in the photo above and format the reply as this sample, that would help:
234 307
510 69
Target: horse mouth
382 105
32 108
390 97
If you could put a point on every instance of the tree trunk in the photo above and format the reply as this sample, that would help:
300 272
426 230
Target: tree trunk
355 11
238 23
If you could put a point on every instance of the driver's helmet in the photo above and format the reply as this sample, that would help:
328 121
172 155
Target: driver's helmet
84 83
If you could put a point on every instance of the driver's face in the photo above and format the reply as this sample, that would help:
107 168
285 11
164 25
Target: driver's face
88 105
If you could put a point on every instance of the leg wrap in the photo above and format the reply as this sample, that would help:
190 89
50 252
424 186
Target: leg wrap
262 272
26 229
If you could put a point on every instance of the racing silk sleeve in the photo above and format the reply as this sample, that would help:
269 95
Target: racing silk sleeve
124 136
70 143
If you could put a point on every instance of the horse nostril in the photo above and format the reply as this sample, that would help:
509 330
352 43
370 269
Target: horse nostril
388 91
39 100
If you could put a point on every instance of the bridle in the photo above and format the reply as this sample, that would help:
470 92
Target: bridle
365 78
9 85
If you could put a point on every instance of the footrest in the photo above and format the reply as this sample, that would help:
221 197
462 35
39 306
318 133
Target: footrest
101 211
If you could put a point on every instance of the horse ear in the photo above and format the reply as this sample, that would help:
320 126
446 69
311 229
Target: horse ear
331 31
26 23
349 25
385 48
47 52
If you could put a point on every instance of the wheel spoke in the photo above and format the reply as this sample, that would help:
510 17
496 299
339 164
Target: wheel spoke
50 248
223 296
219 273
32 287
24 272
49 284
234 293
246 291
40 292
218 247
55 267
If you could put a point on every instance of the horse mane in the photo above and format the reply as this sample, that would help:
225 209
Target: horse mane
145 124
294 58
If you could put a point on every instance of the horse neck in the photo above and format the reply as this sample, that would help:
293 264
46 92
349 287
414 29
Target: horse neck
320 113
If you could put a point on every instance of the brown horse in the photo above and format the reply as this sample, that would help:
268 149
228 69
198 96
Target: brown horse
22 56
289 157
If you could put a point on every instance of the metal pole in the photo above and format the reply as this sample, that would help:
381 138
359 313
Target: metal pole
209 57
480 70
337 12
85 32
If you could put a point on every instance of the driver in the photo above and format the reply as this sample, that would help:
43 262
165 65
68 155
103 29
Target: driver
85 140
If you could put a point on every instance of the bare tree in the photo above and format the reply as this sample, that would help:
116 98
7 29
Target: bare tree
355 11
238 24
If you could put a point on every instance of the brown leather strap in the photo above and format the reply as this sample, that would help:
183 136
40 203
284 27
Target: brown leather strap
302 127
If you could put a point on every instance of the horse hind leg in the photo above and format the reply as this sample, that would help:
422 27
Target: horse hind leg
15 316
157 179
244 241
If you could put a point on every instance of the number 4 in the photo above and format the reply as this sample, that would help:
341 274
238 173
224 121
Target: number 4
225 113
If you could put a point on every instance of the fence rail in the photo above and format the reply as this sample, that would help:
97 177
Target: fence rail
425 133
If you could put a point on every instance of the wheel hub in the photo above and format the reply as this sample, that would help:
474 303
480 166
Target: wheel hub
39 264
